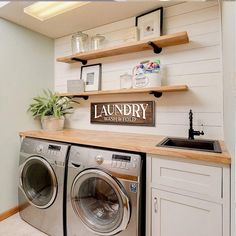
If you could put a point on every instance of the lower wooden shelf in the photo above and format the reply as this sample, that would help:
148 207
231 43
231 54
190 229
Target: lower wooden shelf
156 91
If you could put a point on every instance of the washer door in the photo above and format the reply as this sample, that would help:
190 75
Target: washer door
101 202
38 182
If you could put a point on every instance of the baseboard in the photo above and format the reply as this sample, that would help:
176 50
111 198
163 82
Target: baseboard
9 213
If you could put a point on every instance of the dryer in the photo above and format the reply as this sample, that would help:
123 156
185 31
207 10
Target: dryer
41 184
104 193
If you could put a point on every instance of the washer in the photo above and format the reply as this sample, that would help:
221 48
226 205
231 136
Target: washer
41 184
104 193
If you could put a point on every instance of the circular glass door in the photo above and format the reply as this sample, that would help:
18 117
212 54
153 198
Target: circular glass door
100 202
38 182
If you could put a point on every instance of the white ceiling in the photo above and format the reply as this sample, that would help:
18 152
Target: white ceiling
86 17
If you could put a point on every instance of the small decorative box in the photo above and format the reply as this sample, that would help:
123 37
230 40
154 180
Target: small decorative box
75 86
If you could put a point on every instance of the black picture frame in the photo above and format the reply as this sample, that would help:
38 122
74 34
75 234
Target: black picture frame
161 9
99 74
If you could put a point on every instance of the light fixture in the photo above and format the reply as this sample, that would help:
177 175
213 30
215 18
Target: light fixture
3 3
48 9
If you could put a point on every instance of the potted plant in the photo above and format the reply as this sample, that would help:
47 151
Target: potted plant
51 110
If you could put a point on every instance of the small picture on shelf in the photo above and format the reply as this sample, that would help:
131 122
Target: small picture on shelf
91 75
150 24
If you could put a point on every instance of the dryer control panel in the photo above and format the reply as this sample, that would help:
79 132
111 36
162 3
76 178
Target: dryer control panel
124 162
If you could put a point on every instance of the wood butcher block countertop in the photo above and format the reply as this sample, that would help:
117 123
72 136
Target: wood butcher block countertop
127 141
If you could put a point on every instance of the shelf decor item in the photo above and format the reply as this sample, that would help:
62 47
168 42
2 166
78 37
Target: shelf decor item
123 113
126 81
79 43
147 74
75 86
91 75
150 24
97 42
51 110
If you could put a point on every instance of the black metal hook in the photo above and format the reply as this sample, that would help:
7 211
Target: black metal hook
156 49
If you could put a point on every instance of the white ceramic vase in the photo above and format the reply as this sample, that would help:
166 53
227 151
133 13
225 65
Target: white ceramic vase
51 123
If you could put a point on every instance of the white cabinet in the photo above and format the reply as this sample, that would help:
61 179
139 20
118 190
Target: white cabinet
192 178
187 198
177 215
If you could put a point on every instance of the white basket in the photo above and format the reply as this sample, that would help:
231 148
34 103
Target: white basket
154 79
147 80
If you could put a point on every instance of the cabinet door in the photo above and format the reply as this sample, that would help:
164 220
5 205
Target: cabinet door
177 215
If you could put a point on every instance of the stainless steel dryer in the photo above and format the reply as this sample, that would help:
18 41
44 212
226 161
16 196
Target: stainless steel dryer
41 183
104 193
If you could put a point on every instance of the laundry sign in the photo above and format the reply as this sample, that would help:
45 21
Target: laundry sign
124 113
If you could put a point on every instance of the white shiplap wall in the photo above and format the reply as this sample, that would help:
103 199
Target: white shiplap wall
197 64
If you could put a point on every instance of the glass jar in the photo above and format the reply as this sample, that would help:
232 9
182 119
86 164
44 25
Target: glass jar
79 42
96 42
126 81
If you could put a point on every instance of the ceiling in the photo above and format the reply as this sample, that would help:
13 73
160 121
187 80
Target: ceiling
86 17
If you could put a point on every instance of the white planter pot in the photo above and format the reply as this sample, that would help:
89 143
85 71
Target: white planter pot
50 123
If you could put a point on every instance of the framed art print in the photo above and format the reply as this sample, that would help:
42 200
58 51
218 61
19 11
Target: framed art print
150 24
91 75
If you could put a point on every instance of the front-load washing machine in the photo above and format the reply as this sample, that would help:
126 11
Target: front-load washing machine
41 184
104 193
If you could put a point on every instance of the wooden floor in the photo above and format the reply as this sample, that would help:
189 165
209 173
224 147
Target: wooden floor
15 226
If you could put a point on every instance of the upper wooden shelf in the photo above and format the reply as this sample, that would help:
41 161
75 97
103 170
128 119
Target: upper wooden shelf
156 44
156 91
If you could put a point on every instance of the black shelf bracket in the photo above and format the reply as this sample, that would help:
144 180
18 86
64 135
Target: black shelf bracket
156 49
85 97
156 94
84 62
78 96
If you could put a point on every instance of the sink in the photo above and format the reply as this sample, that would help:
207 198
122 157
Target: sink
198 145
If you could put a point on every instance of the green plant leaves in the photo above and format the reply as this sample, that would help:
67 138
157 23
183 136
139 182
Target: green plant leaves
51 105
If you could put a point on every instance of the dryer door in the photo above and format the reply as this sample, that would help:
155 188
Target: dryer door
101 202
38 182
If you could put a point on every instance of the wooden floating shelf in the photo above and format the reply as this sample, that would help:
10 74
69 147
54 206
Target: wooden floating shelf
156 44
156 91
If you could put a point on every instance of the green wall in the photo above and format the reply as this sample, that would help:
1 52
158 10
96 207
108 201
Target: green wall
26 67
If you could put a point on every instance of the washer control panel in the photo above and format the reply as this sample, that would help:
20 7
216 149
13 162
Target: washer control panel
124 162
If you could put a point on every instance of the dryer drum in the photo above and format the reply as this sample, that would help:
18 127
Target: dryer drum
100 202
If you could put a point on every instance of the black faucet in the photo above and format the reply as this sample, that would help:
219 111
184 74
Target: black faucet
191 131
